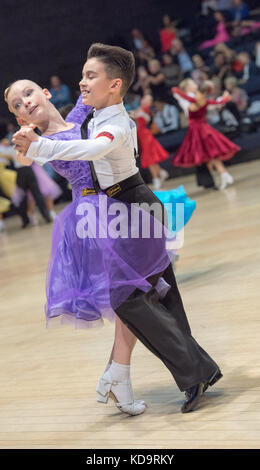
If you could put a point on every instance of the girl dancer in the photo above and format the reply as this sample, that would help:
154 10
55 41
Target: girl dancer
151 151
203 144
107 75
101 269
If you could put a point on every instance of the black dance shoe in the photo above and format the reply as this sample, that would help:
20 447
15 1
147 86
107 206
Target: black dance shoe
213 379
194 394
193 397
26 222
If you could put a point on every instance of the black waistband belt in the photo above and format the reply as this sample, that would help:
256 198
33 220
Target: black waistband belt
128 183
117 188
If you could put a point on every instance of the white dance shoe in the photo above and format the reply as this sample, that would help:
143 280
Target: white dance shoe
157 182
226 179
33 220
53 215
109 388
163 175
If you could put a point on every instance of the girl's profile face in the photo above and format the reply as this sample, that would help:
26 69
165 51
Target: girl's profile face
192 86
28 101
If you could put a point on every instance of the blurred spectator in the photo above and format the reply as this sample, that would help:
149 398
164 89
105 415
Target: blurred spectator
184 60
131 101
11 129
238 95
207 5
239 10
249 68
167 34
60 92
156 80
201 71
257 54
137 39
141 86
224 5
221 32
146 52
229 54
172 72
221 68
166 117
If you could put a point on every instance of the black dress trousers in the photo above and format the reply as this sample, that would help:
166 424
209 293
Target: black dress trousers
161 324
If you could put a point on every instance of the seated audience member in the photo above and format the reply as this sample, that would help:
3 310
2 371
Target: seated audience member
207 6
257 54
11 129
239 10
60 92
224 5
156 80
167 34
238 95
248 68
141 84
137 39
229 53
184 60
131 101
166 117
146 53
201 71
221 68
172 72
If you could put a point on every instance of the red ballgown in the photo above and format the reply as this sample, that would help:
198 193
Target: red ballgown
150 149
202 142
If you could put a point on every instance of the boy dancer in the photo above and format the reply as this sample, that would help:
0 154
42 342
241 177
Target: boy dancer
161 324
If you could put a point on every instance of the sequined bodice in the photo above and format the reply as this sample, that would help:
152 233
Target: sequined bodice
76 172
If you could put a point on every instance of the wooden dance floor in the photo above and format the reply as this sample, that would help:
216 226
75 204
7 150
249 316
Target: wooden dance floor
48 377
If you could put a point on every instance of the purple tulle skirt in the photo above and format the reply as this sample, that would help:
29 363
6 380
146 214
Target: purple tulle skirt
92 270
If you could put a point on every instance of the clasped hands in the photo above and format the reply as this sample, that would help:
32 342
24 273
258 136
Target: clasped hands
22 140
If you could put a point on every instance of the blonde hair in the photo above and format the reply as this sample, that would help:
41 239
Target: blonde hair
183 85
207 87
7 90
230 81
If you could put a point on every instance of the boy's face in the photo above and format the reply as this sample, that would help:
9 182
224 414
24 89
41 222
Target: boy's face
95 86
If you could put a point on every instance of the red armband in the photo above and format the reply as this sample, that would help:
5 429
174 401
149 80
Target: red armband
106 134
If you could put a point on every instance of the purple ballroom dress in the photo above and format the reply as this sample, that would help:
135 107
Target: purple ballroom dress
90 274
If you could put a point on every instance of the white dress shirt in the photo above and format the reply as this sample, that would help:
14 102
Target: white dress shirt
113 155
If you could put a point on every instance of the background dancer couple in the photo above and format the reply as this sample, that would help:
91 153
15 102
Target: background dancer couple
92 279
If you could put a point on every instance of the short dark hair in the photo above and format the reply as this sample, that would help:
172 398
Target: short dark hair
119 63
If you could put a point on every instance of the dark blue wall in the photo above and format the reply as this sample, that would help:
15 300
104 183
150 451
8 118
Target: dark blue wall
40 38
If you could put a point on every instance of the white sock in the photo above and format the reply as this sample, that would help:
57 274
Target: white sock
119 372
53 215
123 391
